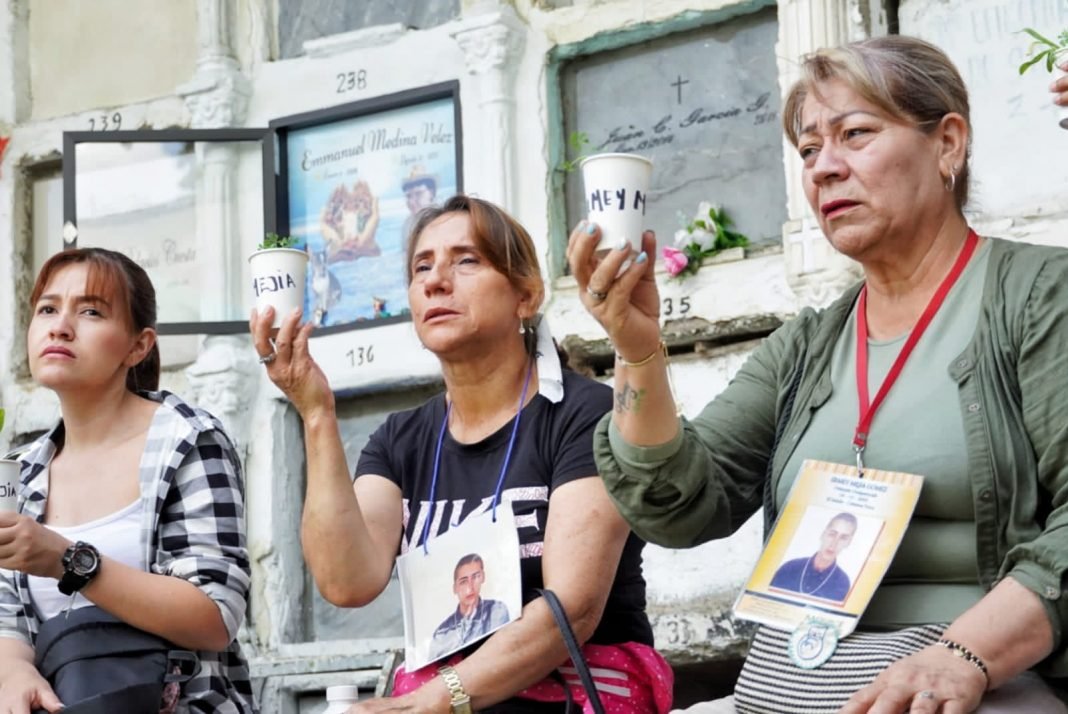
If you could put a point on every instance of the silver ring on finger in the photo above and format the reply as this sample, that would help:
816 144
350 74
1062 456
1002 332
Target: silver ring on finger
267 359
925 694
597 295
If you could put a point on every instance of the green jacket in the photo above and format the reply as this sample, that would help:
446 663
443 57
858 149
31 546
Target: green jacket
1013 382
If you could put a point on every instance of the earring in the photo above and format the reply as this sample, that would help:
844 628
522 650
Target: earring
522 326
951 182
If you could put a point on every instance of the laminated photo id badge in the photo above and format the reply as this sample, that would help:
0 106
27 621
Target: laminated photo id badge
827 554
463 587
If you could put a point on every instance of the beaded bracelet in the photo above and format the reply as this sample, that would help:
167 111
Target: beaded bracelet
967 655
662 347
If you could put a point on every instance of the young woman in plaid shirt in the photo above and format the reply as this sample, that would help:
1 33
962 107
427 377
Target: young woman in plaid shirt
152 484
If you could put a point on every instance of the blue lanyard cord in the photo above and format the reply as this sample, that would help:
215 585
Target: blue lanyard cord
504 466
434 477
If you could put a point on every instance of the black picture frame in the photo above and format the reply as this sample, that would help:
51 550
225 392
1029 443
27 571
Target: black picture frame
262 136
385 147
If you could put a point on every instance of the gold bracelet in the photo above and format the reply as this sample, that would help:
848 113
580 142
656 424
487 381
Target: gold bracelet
662 347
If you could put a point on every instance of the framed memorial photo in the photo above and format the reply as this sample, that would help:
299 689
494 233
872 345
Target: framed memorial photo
350 181
188 205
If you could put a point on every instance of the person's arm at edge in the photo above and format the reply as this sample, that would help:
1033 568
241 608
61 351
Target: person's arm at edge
350 532
709 479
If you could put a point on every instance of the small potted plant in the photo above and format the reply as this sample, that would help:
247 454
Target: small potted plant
279 272
9 479
707 235
1044 51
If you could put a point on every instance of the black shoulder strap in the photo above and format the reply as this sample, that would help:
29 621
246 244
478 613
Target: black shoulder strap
574 649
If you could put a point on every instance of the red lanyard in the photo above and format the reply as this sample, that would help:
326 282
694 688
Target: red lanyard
867 411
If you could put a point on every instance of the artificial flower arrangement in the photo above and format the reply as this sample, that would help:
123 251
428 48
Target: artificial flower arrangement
706 235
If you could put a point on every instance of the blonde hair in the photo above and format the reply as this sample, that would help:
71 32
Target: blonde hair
909 79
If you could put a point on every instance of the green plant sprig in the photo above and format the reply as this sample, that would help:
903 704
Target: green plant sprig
577 141
1 419
1044 49
273 240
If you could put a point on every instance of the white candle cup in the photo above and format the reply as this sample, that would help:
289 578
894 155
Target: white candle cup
616 187
10 478
1058 72
278 279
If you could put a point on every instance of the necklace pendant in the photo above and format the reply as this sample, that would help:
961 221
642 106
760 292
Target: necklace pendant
813 642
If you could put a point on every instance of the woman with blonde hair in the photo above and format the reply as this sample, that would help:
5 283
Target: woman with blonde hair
961 341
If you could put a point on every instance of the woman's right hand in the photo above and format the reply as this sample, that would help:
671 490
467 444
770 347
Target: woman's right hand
630 308
23 690
293 370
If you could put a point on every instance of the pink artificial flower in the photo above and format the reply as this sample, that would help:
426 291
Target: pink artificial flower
675 261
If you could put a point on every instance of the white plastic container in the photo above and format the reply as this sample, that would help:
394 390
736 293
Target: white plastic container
1058 72
616 187
340 698
9 485
278 279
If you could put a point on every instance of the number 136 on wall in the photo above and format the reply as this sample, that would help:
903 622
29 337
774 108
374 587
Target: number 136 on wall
360 355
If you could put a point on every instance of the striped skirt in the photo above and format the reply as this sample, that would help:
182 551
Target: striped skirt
771 684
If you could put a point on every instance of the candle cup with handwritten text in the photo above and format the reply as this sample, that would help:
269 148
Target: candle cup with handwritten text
9 485
616 187
278 279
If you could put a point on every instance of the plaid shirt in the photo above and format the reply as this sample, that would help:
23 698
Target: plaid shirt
192 527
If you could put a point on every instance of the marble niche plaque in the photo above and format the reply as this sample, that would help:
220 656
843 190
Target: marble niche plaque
704 106
1018 147
302 20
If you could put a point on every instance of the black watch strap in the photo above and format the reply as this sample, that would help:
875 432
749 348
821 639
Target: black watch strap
81 563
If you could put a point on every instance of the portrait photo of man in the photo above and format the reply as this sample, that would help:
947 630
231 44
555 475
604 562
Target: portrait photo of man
819 574
420 190
475 616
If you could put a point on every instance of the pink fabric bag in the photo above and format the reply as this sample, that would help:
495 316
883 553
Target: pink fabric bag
631 678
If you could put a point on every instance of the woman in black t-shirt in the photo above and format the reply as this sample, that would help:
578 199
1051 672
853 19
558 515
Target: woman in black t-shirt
474 290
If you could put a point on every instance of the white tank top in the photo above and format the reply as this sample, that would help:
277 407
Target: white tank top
118 536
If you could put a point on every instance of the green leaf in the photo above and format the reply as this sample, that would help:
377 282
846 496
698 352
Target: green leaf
273 240
1040 37
1 419
578 140
1033 60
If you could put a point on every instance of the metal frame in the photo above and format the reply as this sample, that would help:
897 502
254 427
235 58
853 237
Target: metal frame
152 136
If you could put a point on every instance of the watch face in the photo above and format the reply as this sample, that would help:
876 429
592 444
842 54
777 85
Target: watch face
83 561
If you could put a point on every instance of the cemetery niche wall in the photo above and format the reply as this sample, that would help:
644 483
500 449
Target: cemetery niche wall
704 106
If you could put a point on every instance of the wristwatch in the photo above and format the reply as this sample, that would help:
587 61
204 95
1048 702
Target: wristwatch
81 563
460 702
